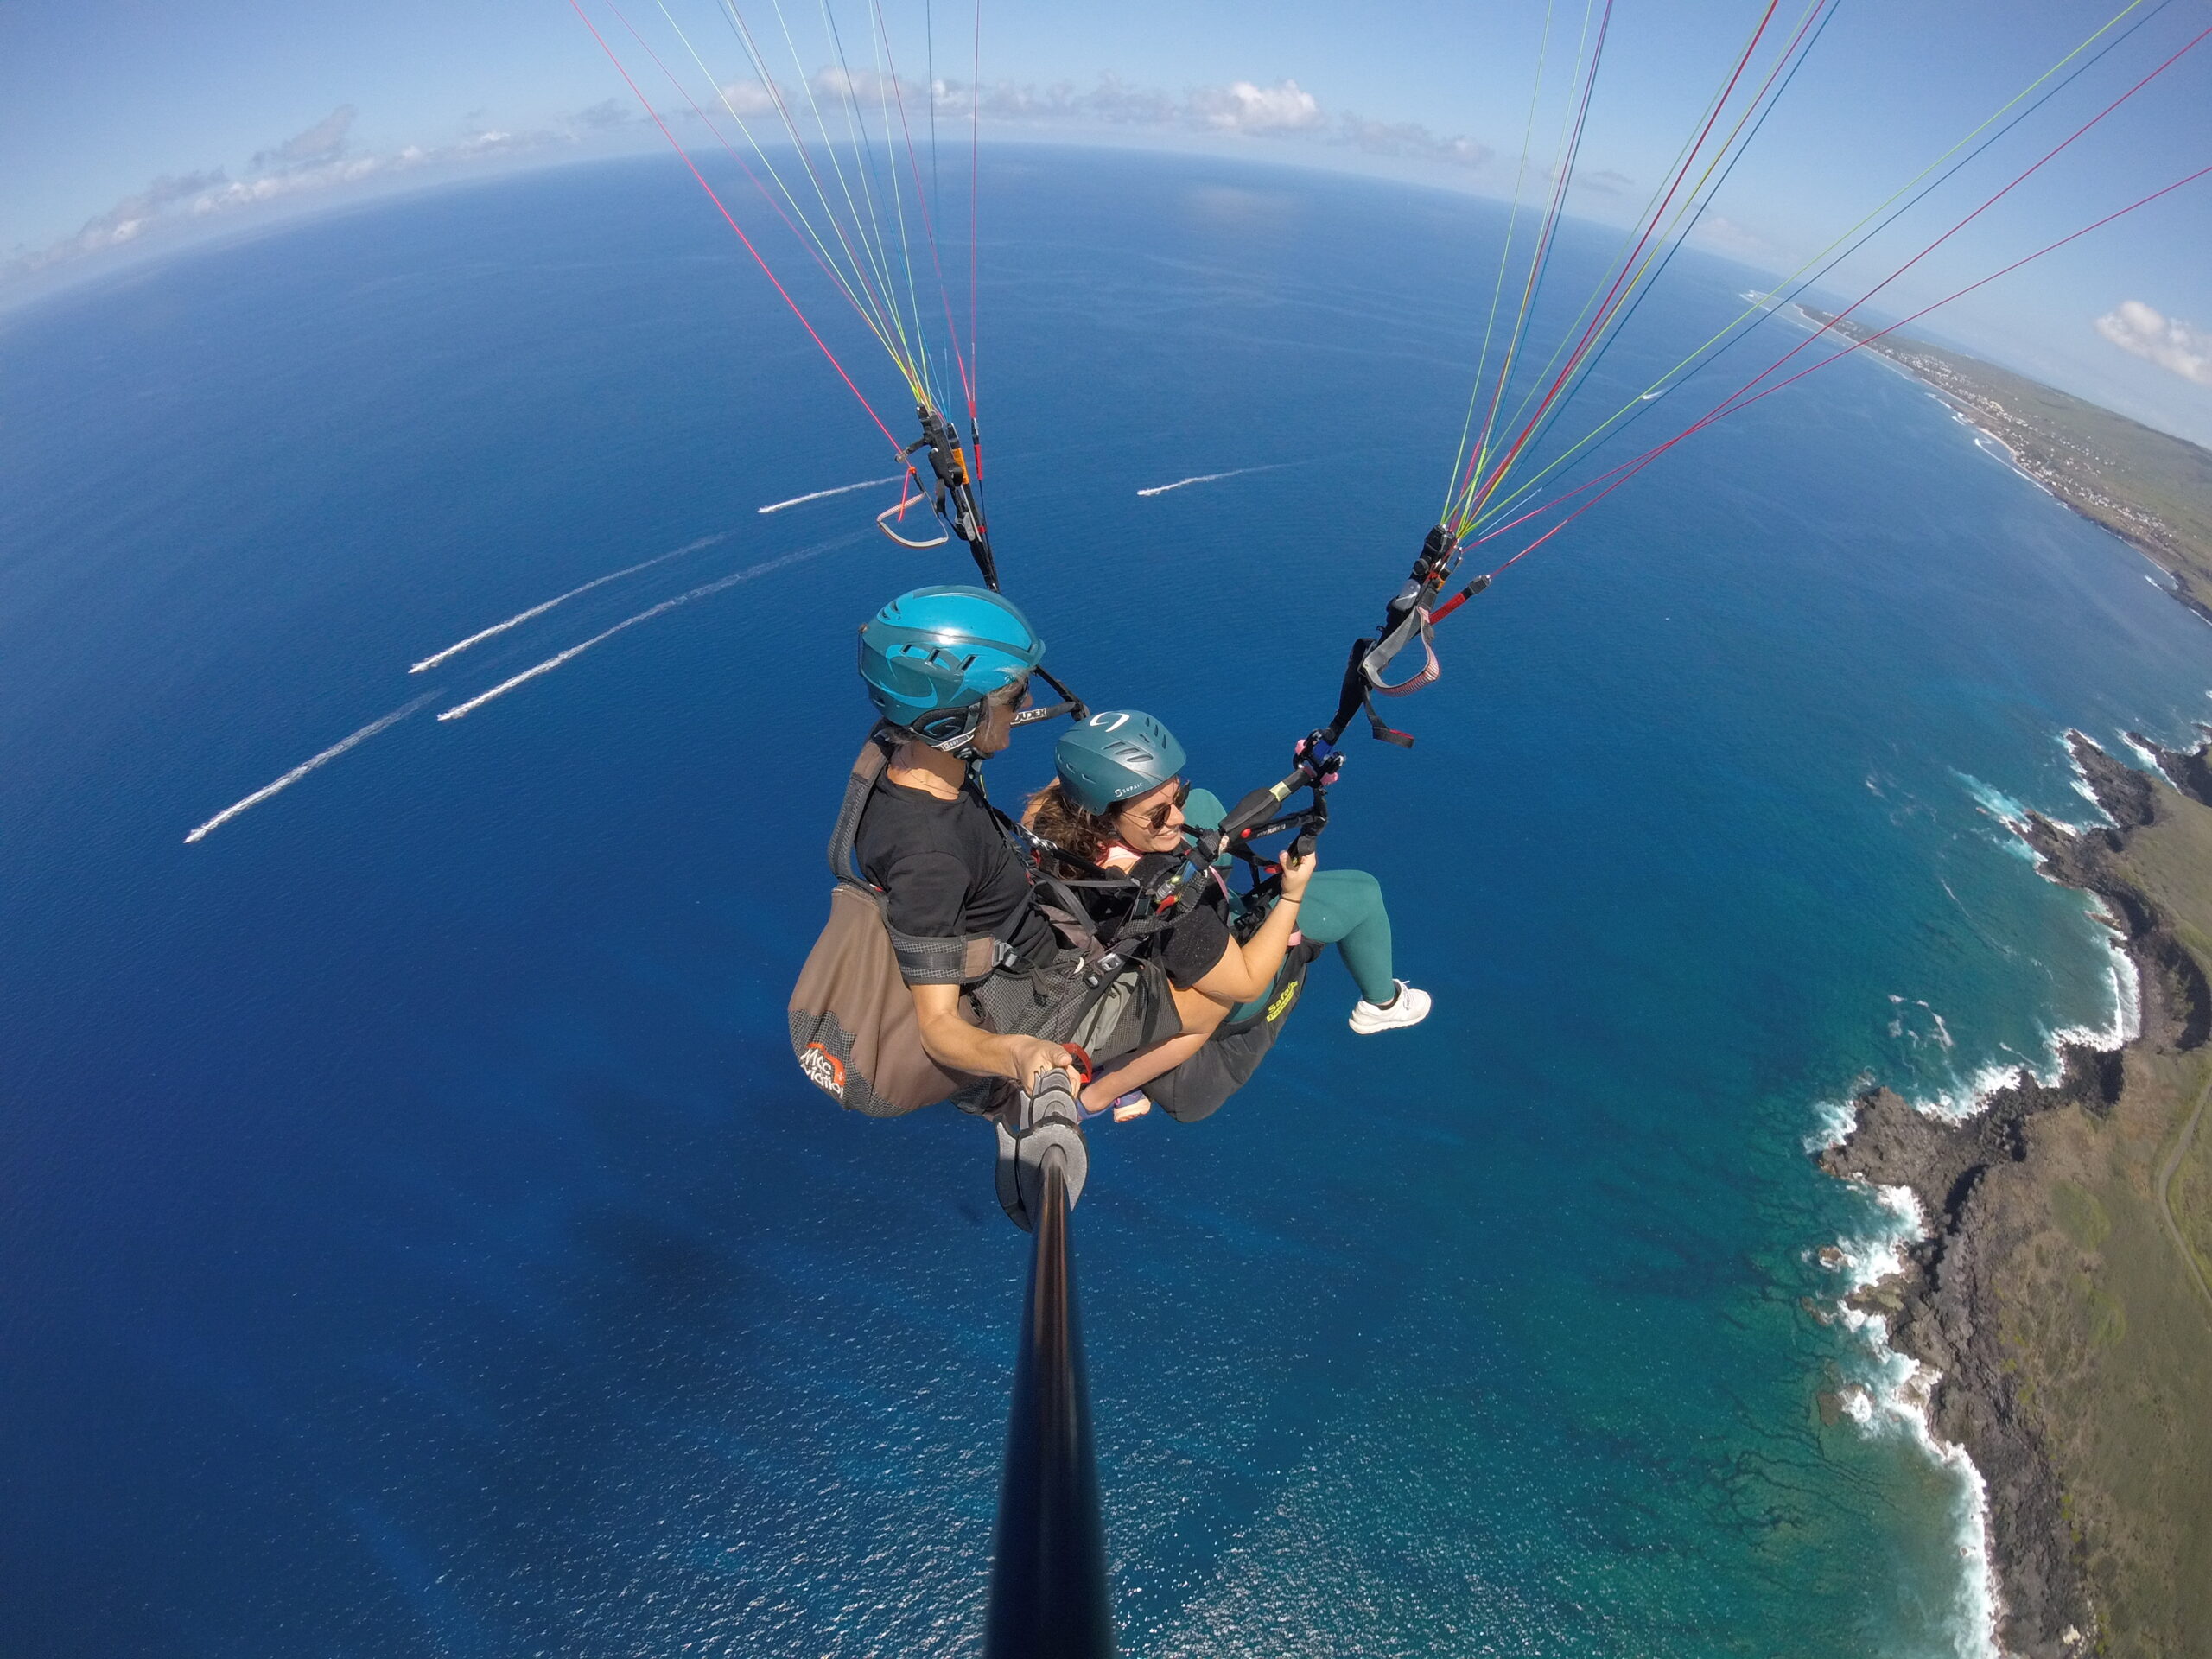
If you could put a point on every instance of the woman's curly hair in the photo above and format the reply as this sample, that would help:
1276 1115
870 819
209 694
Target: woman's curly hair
1052 815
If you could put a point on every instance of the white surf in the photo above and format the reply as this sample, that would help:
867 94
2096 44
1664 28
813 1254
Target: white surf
1212 478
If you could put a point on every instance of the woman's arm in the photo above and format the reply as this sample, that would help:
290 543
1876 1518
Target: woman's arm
1200 1015
1243 972
1246 970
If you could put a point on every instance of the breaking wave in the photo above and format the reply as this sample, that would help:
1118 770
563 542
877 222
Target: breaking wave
1894 1399
700 592
1892 1395
307 766
821 495
521 617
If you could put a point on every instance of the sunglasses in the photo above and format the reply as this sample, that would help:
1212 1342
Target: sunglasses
1155 818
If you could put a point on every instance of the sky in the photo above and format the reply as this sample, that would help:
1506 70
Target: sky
126 124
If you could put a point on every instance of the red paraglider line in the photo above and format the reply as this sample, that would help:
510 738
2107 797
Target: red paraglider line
745 167
929 221
1552 214
974 186
1607 306
1729 406
784 293
1731 403
1612 308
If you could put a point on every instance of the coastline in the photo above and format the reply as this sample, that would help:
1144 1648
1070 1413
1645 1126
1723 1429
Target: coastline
2147 487
2022 1295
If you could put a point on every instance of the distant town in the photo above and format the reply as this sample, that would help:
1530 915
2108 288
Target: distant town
2152 490
2063 1293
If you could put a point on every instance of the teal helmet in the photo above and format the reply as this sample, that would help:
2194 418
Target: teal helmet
932 656
1116 756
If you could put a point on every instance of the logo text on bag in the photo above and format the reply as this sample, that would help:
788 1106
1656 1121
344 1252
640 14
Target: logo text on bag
824 1069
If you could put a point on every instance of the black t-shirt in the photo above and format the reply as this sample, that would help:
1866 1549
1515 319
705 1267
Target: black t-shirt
946 870
1192 946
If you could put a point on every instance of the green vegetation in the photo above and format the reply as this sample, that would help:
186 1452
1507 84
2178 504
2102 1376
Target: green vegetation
2152 490
2079 1215
2103 1314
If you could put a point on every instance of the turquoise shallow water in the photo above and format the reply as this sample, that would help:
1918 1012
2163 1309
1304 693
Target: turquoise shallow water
418 1239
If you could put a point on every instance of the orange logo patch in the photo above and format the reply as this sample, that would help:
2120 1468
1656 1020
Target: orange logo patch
824 1069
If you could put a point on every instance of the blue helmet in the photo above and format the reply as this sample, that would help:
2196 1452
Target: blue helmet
930 657
1116 756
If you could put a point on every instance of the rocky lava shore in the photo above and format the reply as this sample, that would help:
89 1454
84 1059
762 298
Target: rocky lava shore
2066 1338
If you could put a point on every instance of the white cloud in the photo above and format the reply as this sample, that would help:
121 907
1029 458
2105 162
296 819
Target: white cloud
322 158
1243 107
607 112
1409 138
870 90
1728 237
2167 341
323 141
748 98
306 162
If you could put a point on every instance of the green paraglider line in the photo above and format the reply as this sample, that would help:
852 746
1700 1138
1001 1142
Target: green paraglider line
1472 503
1736 399
1606 329
728 219
1730 405
1828 258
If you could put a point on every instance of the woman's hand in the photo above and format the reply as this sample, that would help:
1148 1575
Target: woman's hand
1296 873
1030 1058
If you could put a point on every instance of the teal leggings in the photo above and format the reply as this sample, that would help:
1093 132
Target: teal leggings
1345 908
1342 907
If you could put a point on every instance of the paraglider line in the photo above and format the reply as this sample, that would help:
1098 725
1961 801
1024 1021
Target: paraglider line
1607 305
1849 242
1629 469
1737 399
727 219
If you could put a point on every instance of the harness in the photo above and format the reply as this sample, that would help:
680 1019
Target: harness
929 961
1410 616
1003 987
986 965
1408 620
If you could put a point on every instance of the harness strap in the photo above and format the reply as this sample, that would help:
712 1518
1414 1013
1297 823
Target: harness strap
867 768
1413 624
921 960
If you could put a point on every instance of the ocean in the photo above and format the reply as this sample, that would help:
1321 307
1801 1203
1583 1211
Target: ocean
418 1239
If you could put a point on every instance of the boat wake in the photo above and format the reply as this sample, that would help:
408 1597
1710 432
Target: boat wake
667 605
521 617
307 766
1212 478
823 495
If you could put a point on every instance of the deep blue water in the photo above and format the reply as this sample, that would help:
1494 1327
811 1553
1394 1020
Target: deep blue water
416 1237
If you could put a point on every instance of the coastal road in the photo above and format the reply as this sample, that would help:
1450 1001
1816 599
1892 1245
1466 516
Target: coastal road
2167 1168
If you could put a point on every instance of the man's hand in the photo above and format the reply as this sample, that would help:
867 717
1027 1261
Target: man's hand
1030 1057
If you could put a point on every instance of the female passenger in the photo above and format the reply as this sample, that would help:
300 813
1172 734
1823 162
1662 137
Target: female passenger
1119 802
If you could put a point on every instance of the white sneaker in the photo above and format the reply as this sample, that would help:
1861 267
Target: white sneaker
1408 1007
